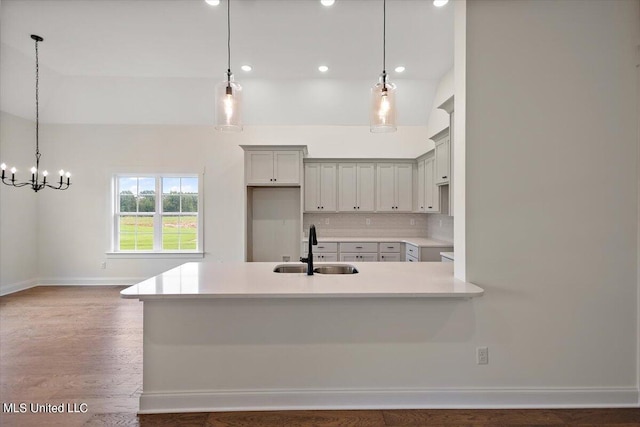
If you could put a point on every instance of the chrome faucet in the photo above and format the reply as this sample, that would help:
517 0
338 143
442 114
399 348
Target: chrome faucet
313 240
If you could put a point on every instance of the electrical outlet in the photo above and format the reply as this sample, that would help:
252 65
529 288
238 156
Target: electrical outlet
368 221
482 355
412 222
103 265
286 258
440 223
326 221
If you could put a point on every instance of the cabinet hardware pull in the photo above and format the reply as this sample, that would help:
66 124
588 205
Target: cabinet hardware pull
430 207
320 247
389 247
318 207
358 247
354 207
358 207
444 177
274 179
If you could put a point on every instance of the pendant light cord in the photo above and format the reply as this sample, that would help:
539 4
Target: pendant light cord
384 37
229 40
37 110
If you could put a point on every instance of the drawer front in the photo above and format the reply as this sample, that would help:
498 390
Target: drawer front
390 247
413 251
358 257
411 259
389 257
359 247
321 247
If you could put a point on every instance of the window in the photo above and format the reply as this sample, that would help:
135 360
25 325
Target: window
157 213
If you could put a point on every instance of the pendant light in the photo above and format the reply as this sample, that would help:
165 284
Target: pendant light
382 115
229 93
36 183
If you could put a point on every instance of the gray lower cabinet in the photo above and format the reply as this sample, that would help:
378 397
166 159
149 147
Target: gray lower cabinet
358 257
424 254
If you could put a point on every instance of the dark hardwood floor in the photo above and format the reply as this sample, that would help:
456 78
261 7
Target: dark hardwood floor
84 345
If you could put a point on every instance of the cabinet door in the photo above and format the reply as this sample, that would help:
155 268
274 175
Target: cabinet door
333 257
328 187
325 257
347 190
404 188
259 167
286 166
442 161
432 192
366 187
312 187
349 257
422 205
385 184
389 257
368 257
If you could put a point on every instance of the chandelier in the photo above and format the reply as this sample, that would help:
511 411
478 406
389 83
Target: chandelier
38 179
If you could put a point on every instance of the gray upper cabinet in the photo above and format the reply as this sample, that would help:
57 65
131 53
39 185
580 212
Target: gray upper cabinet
356 187
320 187
443 157
273 167
394 187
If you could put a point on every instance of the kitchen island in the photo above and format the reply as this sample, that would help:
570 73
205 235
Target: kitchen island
237 336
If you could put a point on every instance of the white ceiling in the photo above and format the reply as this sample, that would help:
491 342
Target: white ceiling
121 58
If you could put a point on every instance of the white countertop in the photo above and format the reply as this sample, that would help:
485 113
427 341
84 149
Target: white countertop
416 241
257 280
448 255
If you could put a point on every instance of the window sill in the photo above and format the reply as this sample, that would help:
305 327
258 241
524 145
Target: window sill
155 255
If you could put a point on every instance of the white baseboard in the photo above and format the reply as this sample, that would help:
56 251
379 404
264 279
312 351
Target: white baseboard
490 398
68 281
18 286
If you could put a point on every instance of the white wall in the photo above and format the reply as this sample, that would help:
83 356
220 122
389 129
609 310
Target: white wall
18 207
75 233
551 190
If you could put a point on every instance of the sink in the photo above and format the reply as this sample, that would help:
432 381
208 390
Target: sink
335 269
321 269
290 268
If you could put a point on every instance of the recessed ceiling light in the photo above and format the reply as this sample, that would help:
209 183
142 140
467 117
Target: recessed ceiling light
323 68
246 68
212 2
440 3
327 2
400 69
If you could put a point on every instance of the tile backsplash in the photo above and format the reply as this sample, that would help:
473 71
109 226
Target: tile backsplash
440 227
380 225
355 225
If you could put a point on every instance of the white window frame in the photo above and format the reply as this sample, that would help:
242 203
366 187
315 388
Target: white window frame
157 252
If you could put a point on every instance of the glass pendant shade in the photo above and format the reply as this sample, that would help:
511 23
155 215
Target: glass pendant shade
229 105
383 107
